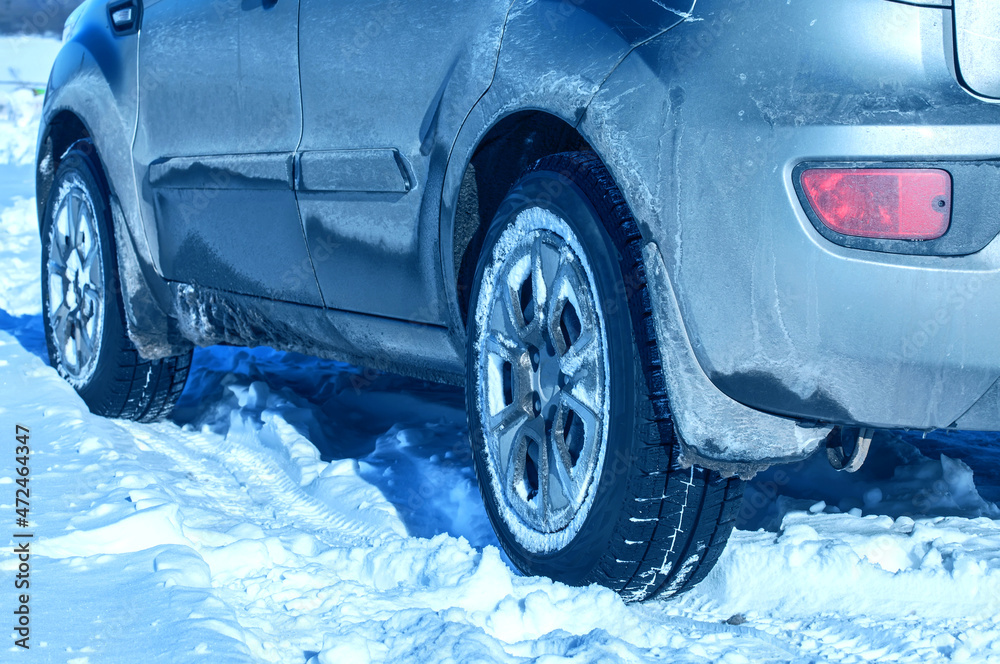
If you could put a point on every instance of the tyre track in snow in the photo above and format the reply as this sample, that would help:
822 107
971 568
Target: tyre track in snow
267 484
267 605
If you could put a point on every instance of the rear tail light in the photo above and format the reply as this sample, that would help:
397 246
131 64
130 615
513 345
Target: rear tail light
883 203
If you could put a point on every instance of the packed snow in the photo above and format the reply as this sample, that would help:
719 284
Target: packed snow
307 511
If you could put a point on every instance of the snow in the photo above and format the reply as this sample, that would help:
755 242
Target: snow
306 511
20 253
24 68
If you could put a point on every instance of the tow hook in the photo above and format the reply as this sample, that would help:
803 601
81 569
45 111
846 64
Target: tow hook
847 447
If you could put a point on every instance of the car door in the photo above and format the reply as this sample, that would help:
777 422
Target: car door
385 88
219 121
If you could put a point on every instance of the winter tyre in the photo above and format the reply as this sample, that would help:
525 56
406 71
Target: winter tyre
83 313
574 445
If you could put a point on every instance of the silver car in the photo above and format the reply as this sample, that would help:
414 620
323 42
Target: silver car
662 244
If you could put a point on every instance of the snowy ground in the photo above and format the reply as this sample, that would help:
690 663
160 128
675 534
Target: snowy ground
297 510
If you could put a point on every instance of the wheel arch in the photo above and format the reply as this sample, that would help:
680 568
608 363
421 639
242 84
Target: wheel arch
511 145
63 130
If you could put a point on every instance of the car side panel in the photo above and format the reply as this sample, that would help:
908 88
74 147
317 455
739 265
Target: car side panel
385 87
219 122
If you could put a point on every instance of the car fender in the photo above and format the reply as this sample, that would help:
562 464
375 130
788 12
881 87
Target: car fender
715 431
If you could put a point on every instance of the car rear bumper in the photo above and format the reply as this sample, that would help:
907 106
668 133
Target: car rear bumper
704 128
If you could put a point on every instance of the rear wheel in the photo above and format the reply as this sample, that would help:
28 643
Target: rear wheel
83 312
573 440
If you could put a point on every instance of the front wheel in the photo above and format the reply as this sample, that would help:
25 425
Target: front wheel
572 436
84 318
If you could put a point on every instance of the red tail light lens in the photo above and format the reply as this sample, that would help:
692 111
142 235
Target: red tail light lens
883 203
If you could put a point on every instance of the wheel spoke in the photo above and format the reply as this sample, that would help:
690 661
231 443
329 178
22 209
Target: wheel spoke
90 249
60 246
576 280
511 316
585 351
505 427
508 419
545 484
557 301
85 346
562 470
551 259
61 223
580 363
499 344
57 269
590 420
60 320
517 482
554 482
74 219
570 290
560 445
58 287
538 286
92 266
583 409
57 256
515 461
92 298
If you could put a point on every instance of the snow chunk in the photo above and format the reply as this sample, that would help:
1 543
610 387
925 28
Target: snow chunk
143 530
20 259
183 567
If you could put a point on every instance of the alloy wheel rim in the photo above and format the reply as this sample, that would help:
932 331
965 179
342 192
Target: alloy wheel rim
75 282
543 365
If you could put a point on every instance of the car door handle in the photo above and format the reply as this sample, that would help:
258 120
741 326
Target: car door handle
125 16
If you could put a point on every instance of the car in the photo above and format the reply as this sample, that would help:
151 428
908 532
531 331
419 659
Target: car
662 245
